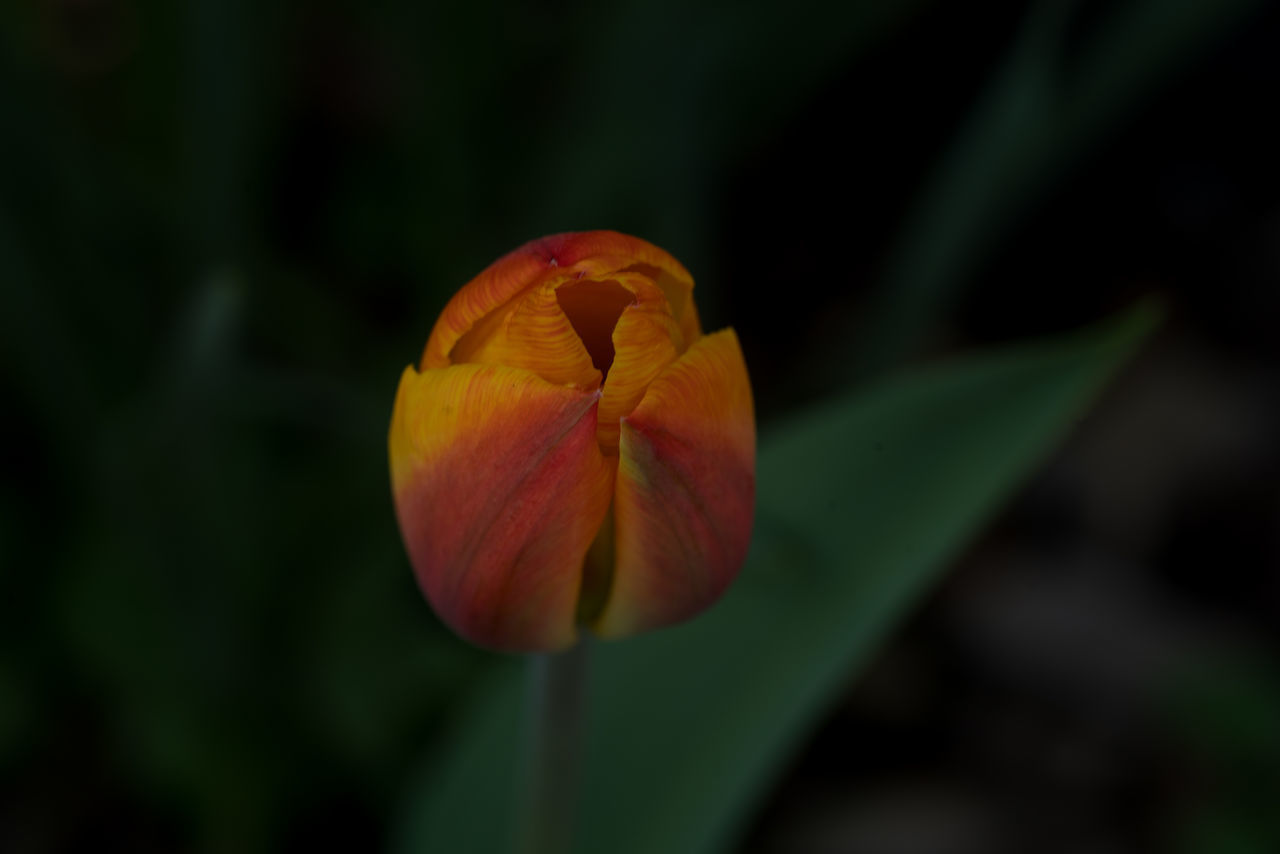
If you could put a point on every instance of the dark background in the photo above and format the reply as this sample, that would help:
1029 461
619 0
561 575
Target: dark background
225 227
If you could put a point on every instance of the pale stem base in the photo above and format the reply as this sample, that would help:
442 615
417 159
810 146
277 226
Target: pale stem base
553 732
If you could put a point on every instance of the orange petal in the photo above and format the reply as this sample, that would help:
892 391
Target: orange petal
534 334
690 325
593 307
590 253
677 286
645 340
685 490
500 488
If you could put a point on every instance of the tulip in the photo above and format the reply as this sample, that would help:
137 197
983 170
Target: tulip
572 451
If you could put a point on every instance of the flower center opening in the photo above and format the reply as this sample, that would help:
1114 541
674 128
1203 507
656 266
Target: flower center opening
593 309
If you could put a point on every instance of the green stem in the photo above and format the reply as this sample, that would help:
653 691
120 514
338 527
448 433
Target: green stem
553 711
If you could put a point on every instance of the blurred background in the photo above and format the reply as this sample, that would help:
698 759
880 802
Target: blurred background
225 227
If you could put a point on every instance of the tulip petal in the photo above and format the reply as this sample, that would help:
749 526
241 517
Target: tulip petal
685 490
500 488
677 286
537 335
593 307
645 340
589 253
690 325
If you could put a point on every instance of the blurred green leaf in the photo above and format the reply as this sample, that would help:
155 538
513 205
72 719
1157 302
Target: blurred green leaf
1039 114
1222 711
863 501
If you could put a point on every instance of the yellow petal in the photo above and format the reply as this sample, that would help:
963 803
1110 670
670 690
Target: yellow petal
593 307
588 254
645 340
677 286
535 334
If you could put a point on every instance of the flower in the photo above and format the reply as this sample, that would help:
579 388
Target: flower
572 450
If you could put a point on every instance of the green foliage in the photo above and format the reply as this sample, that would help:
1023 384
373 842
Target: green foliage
1223 710
1037 118
862 502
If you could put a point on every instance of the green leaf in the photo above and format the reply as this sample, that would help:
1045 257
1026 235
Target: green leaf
1040 114
862 502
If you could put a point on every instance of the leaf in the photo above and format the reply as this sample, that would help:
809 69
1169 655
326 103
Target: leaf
1037 116
862 503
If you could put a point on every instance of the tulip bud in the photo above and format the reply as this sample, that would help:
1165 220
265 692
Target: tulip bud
572 451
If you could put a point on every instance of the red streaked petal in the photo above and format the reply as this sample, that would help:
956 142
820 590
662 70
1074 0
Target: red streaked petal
612 251
500 489
685 492
535 334
591 253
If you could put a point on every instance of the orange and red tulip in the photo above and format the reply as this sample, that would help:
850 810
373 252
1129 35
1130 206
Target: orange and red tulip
572 451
